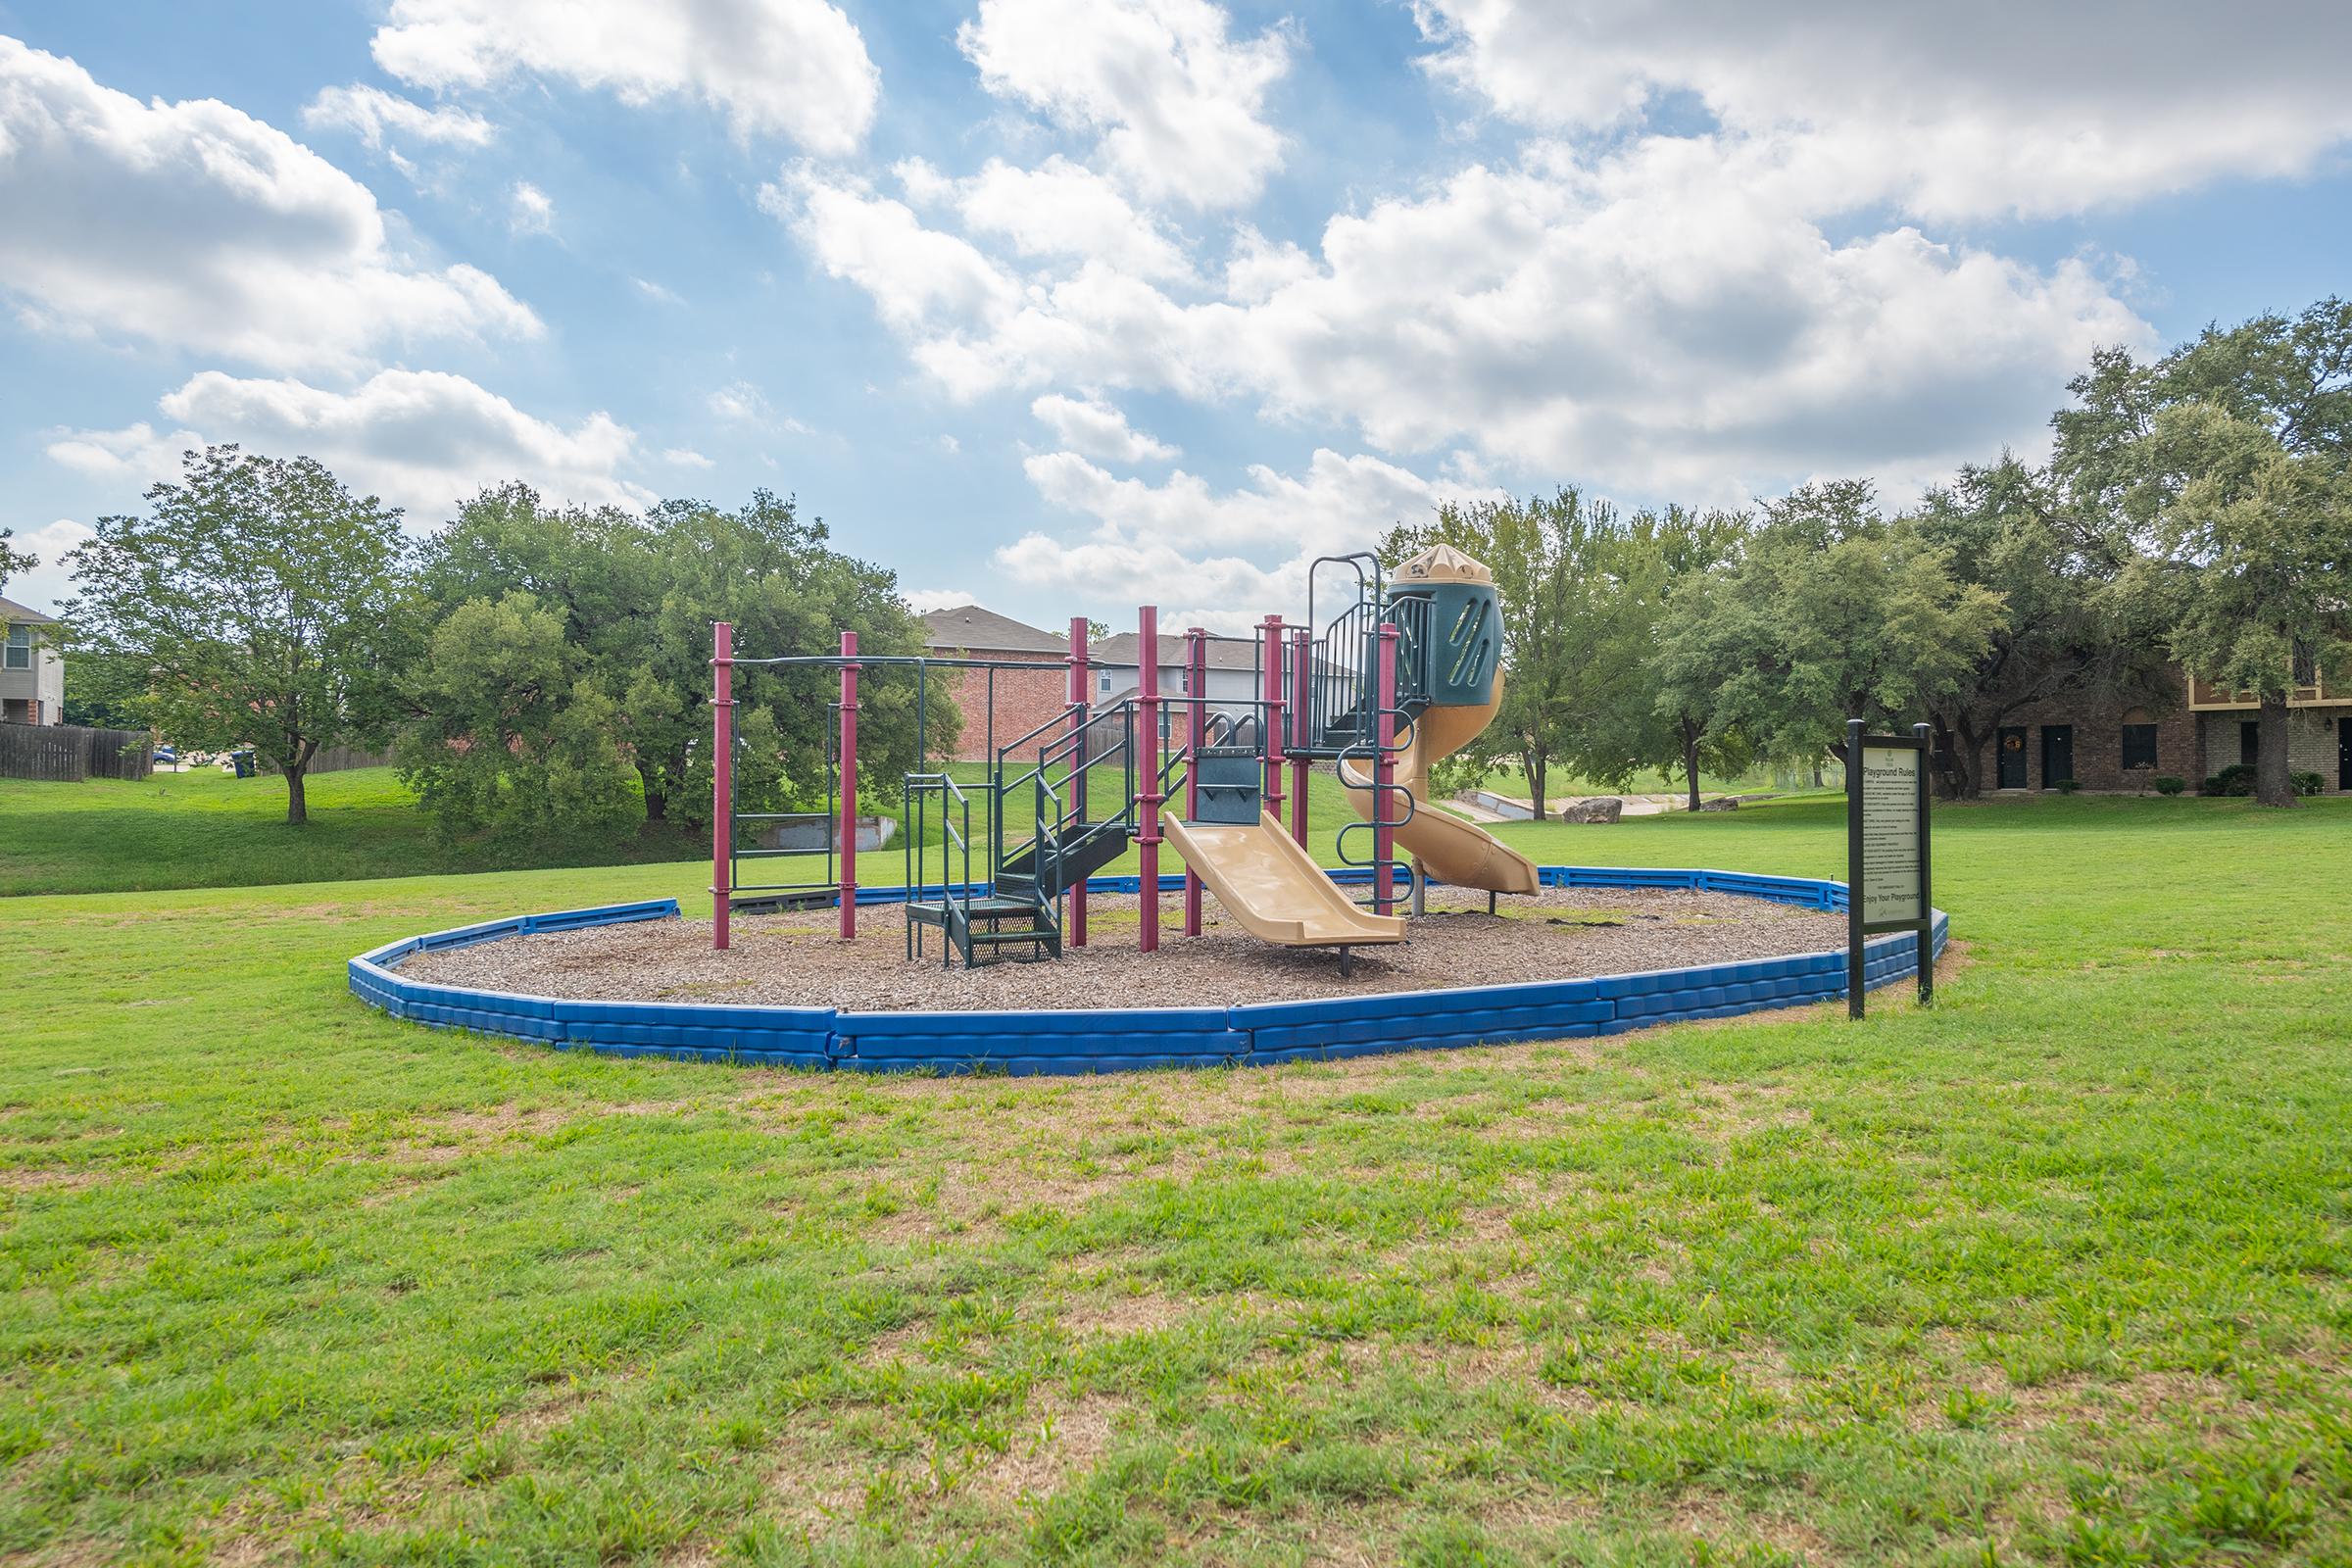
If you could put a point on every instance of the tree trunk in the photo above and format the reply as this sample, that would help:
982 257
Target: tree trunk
1536 762
657 805
1971 752
298 811
2271 787
1690 759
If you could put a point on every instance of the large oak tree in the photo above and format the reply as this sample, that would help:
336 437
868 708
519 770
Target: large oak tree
256 604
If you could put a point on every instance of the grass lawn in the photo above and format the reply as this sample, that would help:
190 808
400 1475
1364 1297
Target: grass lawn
2053 1273
207 830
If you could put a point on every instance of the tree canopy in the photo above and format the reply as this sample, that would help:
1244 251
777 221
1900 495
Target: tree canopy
2219 477
1832 612
256 604
13 561
629 600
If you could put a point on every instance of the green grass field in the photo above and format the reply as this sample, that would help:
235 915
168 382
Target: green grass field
2053 1273
207 830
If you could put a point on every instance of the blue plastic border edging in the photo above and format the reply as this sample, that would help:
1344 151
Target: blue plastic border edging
1122 1039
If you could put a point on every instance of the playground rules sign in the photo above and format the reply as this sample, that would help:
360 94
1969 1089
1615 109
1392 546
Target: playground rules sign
1890 836
1886 849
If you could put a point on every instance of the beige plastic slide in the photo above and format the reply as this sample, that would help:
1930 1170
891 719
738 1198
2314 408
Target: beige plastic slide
1449 848
1274 888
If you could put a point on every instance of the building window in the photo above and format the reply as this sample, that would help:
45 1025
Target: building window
20 648
2140 746
1105 682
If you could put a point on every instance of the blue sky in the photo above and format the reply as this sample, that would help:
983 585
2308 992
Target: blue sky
1059 306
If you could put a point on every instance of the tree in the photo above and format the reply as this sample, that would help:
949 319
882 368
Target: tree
258 603
2218 475
2003 527
1832 614
1541 551
2255 548
1689 546
13 562
515 740
635 597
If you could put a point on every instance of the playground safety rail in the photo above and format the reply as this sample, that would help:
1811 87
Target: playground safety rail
1116 1039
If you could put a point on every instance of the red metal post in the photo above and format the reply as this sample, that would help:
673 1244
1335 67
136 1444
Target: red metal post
1270 723
848 788
1147 764
723 779
1301 658
1081 700
1195 676
1384 776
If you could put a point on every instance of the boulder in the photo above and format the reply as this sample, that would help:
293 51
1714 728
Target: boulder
1723 802
1600 808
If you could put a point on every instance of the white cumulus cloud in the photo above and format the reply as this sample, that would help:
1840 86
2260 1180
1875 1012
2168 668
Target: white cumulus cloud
378 117
792 67
48 583
1651 316
1219 559
1178 102
423 440
2004 106
194 225
531 209
1056 210
1096 430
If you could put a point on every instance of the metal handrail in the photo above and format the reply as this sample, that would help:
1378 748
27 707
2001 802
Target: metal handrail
919 787
1062 717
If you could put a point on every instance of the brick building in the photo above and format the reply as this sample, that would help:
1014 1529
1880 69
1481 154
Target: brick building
2190 733
1022 700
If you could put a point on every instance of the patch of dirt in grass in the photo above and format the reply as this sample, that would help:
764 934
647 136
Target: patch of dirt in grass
45 1180
1117 1314
797 960
1719 1520
814 1491
2146 1399
1061 1439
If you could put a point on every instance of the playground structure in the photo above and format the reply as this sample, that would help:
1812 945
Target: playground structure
1402 675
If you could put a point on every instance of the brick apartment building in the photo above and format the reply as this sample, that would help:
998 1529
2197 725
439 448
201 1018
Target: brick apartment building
2191 733
1022 700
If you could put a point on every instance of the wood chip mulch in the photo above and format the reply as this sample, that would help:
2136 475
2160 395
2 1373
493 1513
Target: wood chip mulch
799 960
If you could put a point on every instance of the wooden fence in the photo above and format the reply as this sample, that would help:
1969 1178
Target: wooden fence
337 758
69 753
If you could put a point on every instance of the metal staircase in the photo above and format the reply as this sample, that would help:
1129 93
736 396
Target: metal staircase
1077 776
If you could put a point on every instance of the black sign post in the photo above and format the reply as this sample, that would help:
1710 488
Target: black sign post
1887 862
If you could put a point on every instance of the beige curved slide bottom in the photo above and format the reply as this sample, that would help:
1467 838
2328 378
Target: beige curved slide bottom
1453 851
1274 888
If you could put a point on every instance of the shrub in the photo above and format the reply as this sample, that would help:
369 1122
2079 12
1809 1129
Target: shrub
2235 779
2067 786
2168 785
2238 778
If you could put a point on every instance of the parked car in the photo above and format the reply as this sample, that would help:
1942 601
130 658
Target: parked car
166 756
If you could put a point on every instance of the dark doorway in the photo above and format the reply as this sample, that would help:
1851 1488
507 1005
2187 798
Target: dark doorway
2057 753
2012 763
2249 742
2343 753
